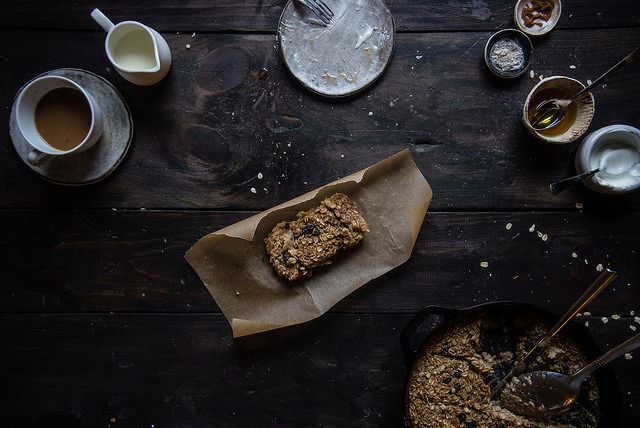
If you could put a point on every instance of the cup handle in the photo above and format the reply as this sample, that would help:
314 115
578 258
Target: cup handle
37 158
102 19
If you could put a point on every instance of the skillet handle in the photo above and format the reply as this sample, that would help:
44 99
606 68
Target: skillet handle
421 327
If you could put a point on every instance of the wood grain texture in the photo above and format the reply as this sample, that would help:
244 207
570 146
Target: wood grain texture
263 16
229 110
137 370
134 261
104 323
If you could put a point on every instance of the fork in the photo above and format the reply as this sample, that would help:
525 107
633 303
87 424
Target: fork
320 9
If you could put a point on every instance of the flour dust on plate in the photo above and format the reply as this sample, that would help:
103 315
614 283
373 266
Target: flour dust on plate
342 57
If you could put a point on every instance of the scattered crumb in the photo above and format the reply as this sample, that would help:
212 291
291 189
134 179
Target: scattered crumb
260 176
418 56
605 320
532 228
599 268
508 226
586 262
532 74
628 356
188 46
579 205
632 327
193 35
572 67
636 319
615 317
586 324
253 190
574 255
484 264
370 113
587 314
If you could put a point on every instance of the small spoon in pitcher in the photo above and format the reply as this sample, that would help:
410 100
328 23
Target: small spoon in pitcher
550 112
543 393
612 163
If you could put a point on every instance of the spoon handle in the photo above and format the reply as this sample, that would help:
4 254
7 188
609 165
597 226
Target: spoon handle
559 186
616 352
626 62
596 287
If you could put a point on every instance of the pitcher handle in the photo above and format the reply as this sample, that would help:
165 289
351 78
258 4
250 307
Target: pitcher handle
102 19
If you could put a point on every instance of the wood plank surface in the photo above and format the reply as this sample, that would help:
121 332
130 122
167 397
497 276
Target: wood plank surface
105 324
217 122
263 16
162 370
134 261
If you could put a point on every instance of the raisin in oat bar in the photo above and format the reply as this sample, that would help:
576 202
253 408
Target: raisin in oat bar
310 241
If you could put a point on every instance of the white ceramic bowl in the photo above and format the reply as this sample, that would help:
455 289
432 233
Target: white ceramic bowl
602 141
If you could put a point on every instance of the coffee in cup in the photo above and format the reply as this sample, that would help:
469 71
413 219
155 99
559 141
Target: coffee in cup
57 117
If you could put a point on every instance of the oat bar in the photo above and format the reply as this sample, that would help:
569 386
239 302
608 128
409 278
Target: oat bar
296 247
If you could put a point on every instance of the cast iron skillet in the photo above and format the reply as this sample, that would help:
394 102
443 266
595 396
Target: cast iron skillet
416 336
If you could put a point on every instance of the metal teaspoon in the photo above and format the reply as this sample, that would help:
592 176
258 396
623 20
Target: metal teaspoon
545 393
550 112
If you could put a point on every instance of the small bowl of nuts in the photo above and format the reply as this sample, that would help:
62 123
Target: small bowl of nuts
508 53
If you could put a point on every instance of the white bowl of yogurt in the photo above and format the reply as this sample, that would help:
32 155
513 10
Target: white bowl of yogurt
615 149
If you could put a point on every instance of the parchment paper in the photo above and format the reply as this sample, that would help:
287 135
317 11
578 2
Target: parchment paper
391 195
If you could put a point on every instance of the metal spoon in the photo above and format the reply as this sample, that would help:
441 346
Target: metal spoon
605 166
550 112
545 393
590 293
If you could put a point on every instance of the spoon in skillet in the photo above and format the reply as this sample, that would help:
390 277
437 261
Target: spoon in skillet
544 393
550 112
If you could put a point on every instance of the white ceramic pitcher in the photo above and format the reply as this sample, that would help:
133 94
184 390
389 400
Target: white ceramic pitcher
138 53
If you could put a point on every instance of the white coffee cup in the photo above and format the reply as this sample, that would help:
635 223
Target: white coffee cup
28 106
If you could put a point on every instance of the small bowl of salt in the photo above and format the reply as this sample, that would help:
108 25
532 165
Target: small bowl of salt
508 53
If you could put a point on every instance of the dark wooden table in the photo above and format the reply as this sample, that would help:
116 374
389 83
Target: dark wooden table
104 323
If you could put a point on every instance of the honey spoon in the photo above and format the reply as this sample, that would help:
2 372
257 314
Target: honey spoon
605 166
550 112
545 393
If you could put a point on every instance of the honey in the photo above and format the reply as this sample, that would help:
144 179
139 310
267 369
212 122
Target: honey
566 123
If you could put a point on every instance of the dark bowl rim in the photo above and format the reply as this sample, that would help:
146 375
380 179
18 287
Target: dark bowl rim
527 47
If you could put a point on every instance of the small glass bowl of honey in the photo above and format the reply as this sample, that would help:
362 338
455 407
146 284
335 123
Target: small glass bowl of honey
577 119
